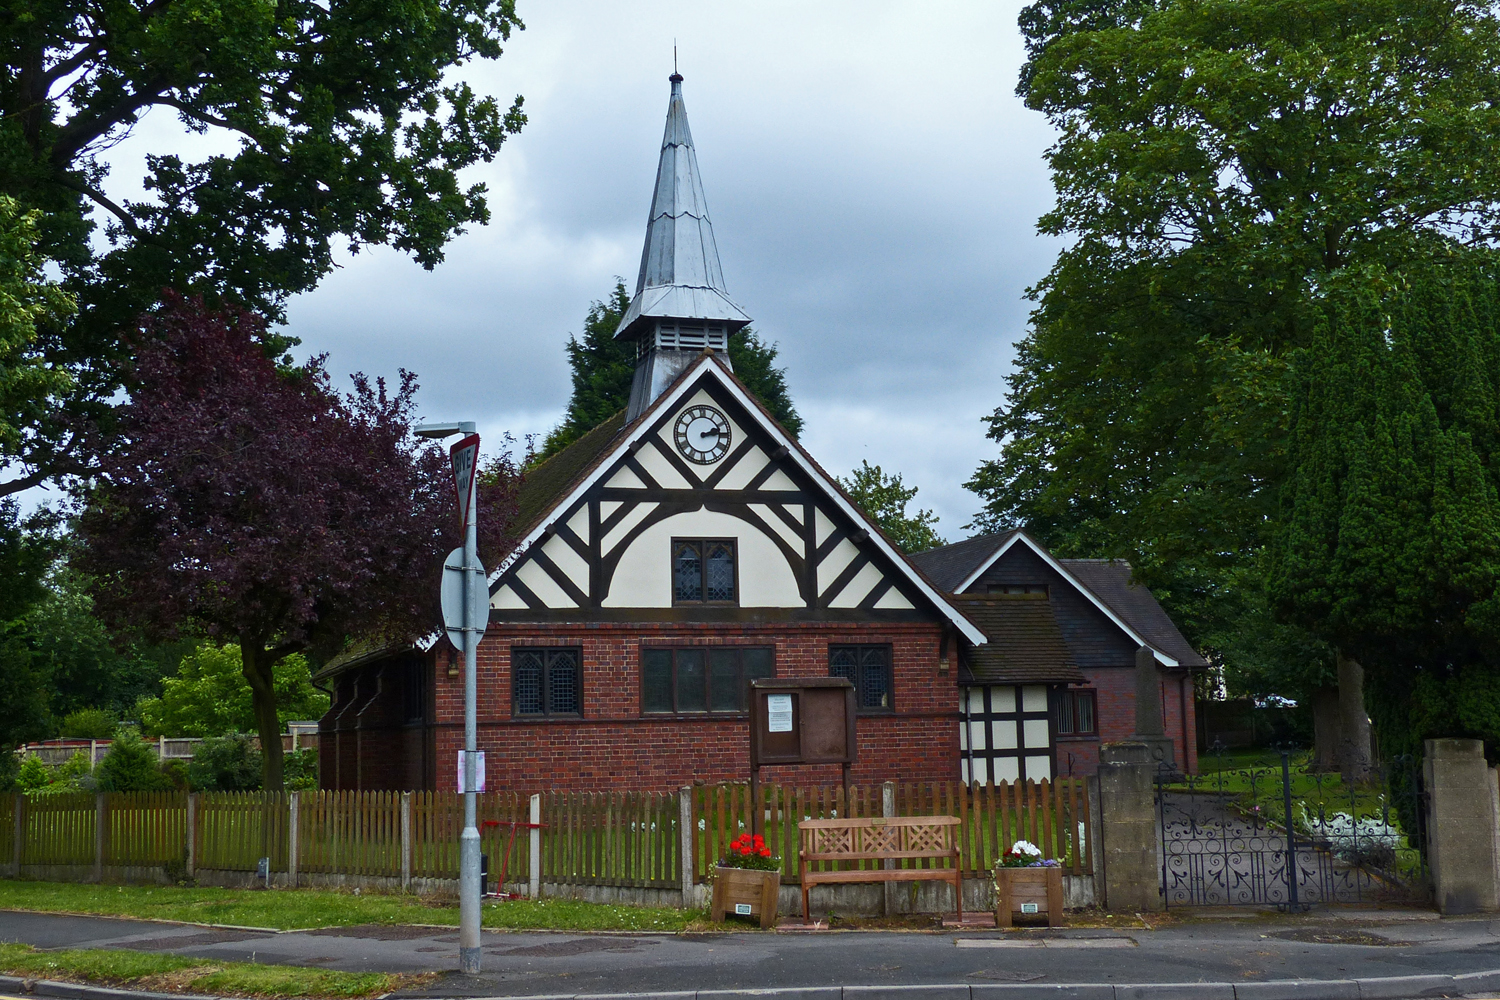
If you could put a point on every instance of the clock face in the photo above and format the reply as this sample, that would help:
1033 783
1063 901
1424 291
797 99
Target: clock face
702 434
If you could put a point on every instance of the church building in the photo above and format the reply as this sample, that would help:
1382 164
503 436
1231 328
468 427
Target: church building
690 544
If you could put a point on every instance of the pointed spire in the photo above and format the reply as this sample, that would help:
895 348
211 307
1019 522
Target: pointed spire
680 277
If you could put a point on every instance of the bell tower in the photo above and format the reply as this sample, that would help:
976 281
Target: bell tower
680 305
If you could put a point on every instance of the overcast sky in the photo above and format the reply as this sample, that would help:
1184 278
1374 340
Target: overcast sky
873 183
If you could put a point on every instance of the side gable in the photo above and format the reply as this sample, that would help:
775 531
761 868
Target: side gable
1096 631
602 548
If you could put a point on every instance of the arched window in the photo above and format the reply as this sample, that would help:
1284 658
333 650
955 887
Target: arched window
703 571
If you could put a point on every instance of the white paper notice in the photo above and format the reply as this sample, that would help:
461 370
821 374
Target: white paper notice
779 713
478 771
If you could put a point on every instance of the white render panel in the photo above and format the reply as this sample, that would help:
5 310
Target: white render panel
1003 699
1003 734
661 470
1036 733
822 526
981 770
579 522
539 583
627 523
506 598
745 470
778 525
569 561
1034 698
1038 768
864 581
976 700
643 577
608 507
779 480
893 598
625 479
1007 769
829 569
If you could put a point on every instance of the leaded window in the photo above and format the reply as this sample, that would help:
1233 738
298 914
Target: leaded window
869 669
1074 712
703 571
695 679
546 681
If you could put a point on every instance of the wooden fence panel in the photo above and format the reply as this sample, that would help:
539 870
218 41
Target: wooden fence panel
236 829
7 828
610 838
60 829
146 829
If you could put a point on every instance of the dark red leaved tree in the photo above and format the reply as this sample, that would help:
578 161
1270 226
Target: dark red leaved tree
251 504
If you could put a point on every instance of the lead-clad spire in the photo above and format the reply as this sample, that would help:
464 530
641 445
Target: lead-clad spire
680 305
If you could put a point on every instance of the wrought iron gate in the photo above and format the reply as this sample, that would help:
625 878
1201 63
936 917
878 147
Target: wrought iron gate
1226 839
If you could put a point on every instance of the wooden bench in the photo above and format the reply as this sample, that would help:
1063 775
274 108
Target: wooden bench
874 839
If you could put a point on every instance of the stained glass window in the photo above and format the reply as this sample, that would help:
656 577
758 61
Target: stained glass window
698 679
869 669
703 570
546 682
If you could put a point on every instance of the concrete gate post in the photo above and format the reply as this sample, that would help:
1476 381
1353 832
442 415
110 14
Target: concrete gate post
1128 849
1461 826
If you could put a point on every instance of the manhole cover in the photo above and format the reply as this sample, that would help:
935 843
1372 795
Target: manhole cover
1325 935
383 932
194 940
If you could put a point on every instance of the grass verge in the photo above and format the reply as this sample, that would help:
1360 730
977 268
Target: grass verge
177 973
287 909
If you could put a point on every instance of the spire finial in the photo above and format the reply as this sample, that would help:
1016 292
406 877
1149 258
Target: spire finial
676 77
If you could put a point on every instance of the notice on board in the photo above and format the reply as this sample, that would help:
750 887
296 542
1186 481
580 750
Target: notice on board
779 713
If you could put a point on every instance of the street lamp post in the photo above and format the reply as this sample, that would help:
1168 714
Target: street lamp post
473 576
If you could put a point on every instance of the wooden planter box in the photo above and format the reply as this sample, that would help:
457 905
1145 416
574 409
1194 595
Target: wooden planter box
1017 890
747 893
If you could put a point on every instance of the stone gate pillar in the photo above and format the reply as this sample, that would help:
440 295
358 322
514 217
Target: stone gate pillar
1461 826
1129 845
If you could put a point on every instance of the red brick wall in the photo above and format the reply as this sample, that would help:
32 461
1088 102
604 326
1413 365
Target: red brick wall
613 746
1115 692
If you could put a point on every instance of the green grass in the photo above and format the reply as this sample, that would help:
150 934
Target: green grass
287 909
152 971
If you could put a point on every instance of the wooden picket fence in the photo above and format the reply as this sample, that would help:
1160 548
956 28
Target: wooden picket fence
611 838
1053 815
145 829
586 838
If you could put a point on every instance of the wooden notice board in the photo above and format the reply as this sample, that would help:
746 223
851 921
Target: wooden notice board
807 720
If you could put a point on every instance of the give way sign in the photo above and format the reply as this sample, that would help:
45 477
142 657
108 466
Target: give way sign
465 458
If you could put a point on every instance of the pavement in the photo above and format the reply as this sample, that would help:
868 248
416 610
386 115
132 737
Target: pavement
1219 954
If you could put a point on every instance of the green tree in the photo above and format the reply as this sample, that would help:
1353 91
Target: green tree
88 724
130 765
884 498
1388 543
33 312
350 124
602 368
27 547
209 696
1218 163
229 763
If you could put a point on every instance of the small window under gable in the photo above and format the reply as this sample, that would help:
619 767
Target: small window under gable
1035 590
704 571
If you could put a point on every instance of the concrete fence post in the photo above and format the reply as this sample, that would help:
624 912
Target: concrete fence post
685 835
888 811
18 846
101 832
293 802
1461 827
1128 842
406 842
534 886
190 863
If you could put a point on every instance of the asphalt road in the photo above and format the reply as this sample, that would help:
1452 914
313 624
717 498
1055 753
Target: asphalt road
1321 946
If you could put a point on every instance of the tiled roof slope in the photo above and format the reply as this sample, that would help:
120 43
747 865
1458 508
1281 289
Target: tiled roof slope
550 481
1109 579
1025 647
950 565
